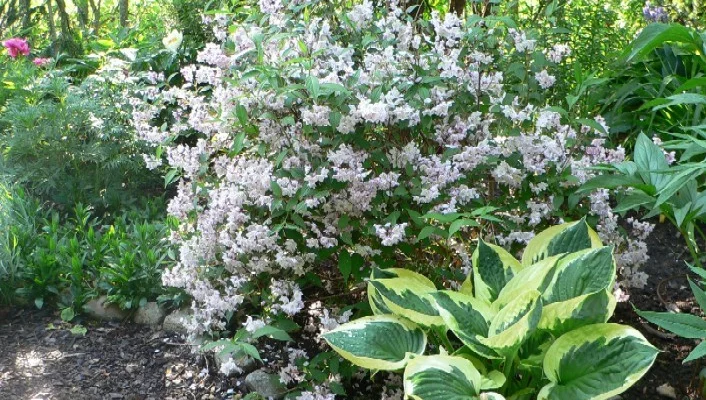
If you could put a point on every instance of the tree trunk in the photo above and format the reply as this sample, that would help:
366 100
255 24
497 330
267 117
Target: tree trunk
457 7
25 9
52 27
65 20
123 9
96 15
82 12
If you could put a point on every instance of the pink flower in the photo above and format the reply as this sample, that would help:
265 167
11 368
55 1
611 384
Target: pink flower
41 62
16 46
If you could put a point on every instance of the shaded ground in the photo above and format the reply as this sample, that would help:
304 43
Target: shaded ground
132 362
666 288
111 362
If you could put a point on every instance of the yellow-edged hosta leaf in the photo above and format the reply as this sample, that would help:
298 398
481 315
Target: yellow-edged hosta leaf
468 318
379 342
410 298
565 238
514 323
596 362
492 380
377 303
493 268
441 377
580 273
537 276
564 316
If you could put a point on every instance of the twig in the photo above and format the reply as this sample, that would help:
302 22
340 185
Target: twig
657 333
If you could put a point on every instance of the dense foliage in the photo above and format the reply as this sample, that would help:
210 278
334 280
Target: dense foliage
265 159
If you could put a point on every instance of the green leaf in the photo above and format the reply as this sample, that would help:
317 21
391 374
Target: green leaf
653 36
494 268
681 99
409 297
380 342
610 182
492 380
441 377
79 330
699 294
698 352
561 317
565 238
67 314
273 333
250 350
460 223
344 264
650 158
39 302
514 323
276 189
632 201
242 114
468 318
684 325
312 85
580 273
596 362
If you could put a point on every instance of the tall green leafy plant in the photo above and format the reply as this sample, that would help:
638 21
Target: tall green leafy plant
676 192
658 84
530 328
71 144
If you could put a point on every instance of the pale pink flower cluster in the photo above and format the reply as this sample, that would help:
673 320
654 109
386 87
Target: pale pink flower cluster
344 127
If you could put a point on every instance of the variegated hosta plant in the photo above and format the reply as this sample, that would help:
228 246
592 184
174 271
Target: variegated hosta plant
535 328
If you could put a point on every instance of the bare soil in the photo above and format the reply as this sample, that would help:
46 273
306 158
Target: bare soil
40 359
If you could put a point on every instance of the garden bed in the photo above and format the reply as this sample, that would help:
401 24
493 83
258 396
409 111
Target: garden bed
125 361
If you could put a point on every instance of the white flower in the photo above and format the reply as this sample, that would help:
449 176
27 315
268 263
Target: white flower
544 79
173 41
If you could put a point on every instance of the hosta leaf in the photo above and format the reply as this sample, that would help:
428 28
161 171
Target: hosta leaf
441 377
491 396
493 268
514 323
492 380
377 303
559 318
685 325
409 297
537 276
565 238
580 273
596 362
467 317
380 342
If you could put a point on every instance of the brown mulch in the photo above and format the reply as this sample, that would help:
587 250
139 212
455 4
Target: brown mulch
667 289
39 361
133 362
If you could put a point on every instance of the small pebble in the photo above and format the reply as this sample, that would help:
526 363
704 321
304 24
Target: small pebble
667 391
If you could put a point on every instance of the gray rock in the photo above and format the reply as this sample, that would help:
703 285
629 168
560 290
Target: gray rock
267 385
151 314
99 309
176 321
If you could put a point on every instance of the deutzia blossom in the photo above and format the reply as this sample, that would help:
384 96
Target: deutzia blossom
545 80
391 234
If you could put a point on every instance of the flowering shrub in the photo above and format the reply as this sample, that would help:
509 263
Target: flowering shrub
365 134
